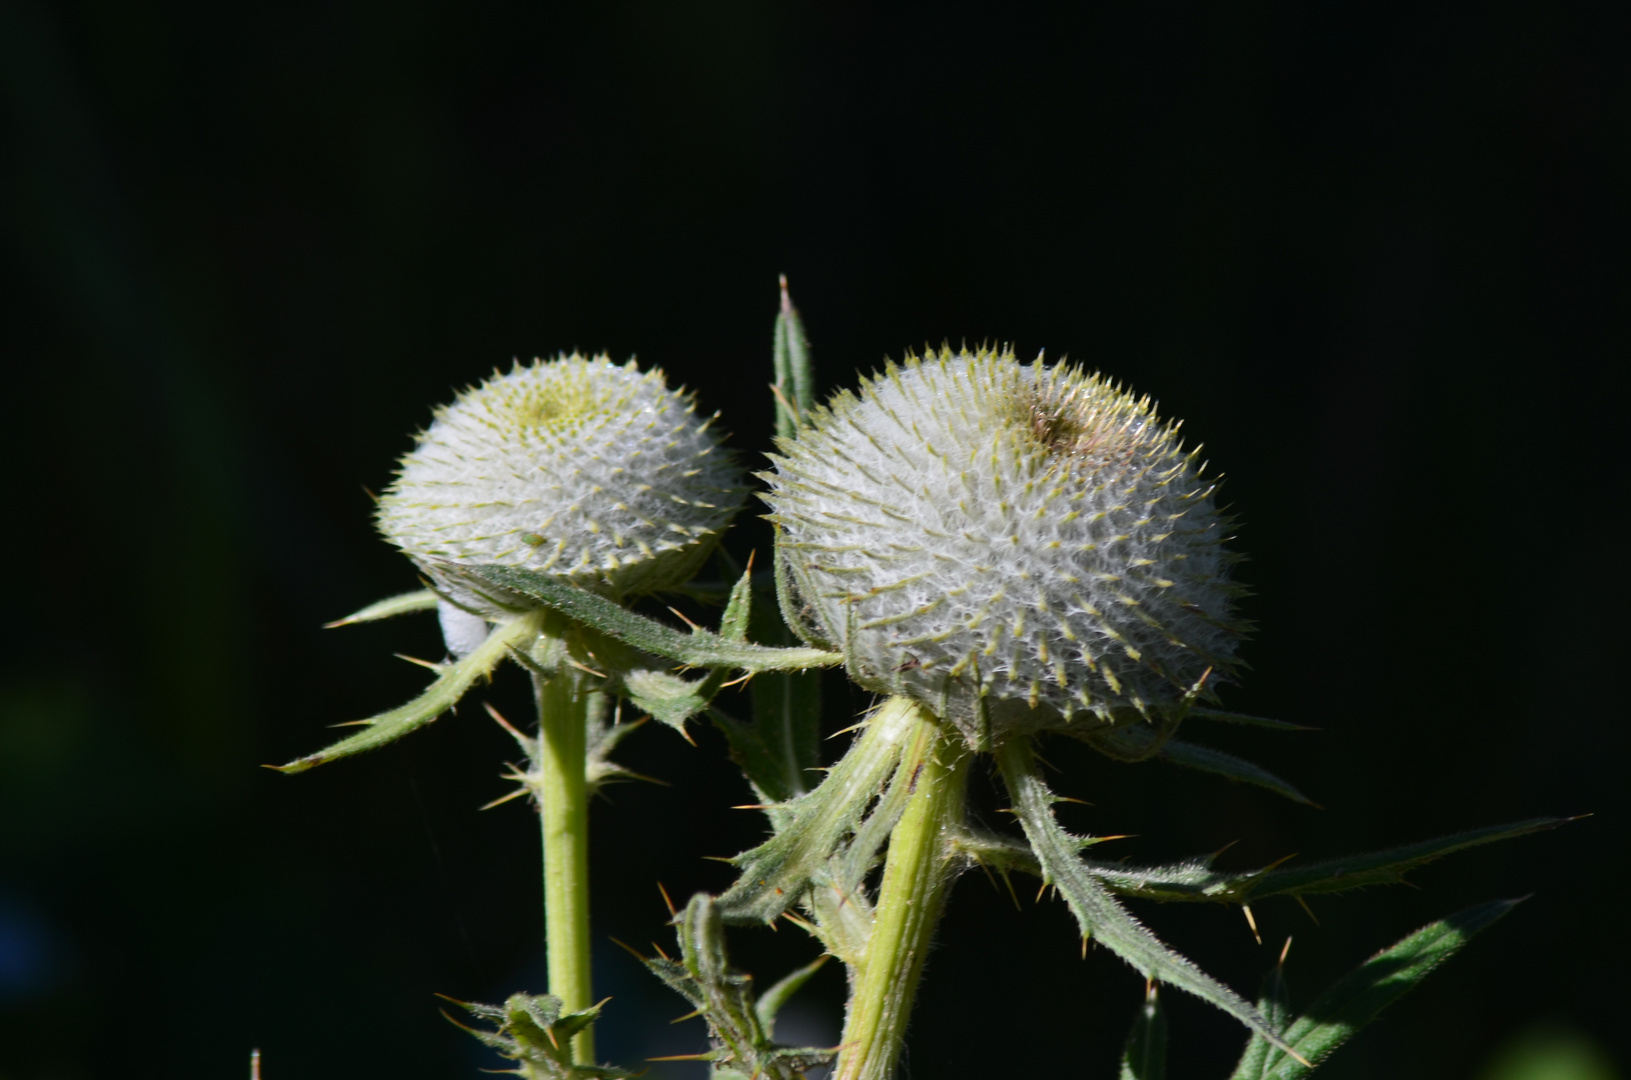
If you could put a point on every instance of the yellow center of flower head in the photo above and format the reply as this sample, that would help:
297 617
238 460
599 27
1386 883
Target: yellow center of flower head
1018 547
582 468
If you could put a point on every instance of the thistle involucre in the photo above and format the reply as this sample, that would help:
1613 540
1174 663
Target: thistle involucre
1018 547
590 470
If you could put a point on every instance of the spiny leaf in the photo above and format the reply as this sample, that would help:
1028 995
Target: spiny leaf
776 874
668 698
518 587
1218 763
786 711
790 354
1274 1002
771 1001
1385 867
738 1028
391 606
1145 1055
1241 718
533 1032
1095 909
1196 881
1356 999
441 696
733 622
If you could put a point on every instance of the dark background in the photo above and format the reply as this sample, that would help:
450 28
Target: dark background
1374 260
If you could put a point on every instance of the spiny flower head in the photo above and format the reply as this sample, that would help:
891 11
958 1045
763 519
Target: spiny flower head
579 467
1018 547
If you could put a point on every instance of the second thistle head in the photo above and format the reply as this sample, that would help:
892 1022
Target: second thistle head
1019 547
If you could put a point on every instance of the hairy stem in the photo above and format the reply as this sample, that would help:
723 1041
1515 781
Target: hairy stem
563 802
917 873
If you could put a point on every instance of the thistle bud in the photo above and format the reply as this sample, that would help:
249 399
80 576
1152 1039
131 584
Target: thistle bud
1016 547
582 468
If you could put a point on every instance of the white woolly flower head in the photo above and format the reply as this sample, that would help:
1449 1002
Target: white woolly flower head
591 470
1018 547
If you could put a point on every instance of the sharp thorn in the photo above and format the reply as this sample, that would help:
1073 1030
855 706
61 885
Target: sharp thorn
1306 908
1282 860
669 904
502 799
506 725
1251 921
694 627
1006 880
1285 949
631 950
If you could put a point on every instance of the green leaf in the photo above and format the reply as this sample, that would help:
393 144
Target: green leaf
775 875
790 353
520 588
1359 997
1274 1002
771 1001
1095 909
1383 867
1196 881
786 713
737 1027
532 1032
441 696
1242 718
421 600
1218 763
1145 1055
733 622
668 698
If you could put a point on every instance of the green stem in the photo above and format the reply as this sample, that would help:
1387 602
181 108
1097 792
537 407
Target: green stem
916 876
563 800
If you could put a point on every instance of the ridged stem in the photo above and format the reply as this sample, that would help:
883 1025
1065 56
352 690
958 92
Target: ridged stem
563 803
917 874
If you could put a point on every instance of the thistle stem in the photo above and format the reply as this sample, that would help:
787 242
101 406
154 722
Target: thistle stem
917 874
563 802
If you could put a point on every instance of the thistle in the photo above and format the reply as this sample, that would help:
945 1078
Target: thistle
583 472
1004 550
1017 547
590 471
